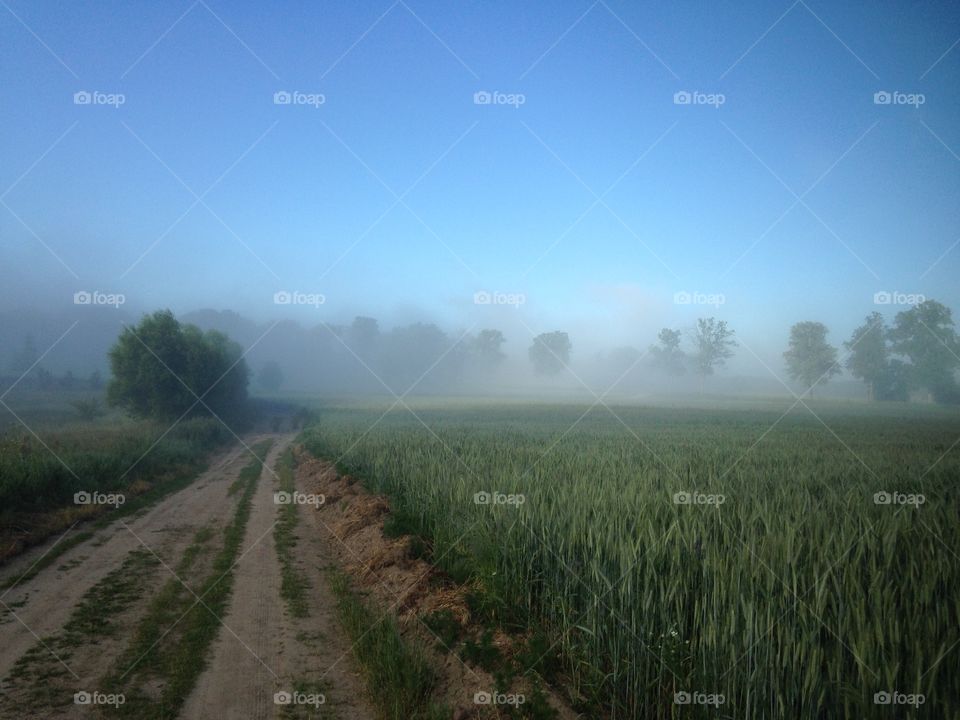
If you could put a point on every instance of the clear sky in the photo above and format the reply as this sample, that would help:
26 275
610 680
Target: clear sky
784 186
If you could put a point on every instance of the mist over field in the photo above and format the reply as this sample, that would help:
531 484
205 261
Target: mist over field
428 360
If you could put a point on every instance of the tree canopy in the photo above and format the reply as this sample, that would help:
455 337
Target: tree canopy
810 358
163 369
550 352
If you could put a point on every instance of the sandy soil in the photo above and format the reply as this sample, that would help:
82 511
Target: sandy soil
38 607
266 650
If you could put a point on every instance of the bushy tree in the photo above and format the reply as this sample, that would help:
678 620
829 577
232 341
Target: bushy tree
550 352
869 358
925 335
485 349
893 383
810 358
666 355
161 367
713 346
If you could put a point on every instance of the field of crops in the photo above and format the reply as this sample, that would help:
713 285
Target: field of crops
694 563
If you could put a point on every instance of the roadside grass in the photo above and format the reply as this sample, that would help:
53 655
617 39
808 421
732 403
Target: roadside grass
293 582
178 480
169 649
143 460
39 673
399 676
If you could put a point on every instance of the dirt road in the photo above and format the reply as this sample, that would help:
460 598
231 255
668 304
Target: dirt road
47 652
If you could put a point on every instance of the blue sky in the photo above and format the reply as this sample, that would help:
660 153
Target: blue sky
598 198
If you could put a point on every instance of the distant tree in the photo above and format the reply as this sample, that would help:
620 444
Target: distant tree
624 358
810 358
415 357
95 381
26 356
893 383
363 336
869 358
160 367
69 381
270 377
713 345
550 352
666 355
43 378
925 335
485 349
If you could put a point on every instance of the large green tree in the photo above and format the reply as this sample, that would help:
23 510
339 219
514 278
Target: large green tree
485 348
809 357
550 352
713 345
160 368
869 355
925 335
666 355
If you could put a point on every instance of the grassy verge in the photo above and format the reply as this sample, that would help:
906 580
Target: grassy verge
38 480
178 481
38 677
398 674
169 649
293 583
